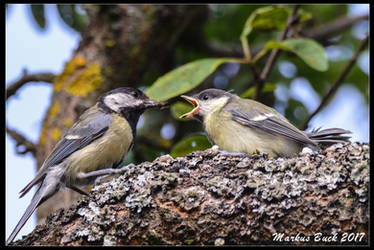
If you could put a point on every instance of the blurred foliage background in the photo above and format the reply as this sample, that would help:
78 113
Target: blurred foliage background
218 35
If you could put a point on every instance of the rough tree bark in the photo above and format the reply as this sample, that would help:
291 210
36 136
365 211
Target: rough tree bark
121 45
209 198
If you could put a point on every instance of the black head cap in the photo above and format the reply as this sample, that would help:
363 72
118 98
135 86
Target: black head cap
128 102
125 99
212 94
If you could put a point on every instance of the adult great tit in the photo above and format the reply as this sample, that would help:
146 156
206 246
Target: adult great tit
246 126
96 143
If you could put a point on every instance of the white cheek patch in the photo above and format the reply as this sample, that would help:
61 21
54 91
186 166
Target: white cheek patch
115 101
215 104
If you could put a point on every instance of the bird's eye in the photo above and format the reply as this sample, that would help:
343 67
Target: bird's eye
205 97
135 94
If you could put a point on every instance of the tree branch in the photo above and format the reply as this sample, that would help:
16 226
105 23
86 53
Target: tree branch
21 141
274 54
235 50
209 198
338 25
218 49
24 145
338 81
38 77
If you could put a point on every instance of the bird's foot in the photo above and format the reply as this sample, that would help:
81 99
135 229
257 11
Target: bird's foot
232 154
104 173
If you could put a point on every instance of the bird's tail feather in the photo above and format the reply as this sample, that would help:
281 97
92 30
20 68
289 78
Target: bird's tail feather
44 192
38 178
30 209
329 136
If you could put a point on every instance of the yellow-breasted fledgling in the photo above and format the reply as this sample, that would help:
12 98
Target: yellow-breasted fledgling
246 126
96 143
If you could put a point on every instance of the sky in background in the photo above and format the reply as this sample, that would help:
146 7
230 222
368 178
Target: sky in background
47 51
28 48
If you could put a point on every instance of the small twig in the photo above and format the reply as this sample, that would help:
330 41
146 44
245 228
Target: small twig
327 30
246 50
274 54
39 77
216 49
256 74
319 33
338 81
21 141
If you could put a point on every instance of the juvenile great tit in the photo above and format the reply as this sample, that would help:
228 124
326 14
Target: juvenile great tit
96 143
246 126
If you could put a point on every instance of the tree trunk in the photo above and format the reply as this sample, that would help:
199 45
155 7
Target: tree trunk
212 198
122 45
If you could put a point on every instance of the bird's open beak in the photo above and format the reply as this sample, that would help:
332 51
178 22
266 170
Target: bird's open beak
195 103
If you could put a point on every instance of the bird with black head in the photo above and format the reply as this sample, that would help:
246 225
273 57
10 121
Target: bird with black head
91 148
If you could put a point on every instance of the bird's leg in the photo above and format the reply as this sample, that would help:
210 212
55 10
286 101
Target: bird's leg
78 190
116 171
106 171
102 173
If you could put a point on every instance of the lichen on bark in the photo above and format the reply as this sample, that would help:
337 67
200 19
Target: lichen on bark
210 198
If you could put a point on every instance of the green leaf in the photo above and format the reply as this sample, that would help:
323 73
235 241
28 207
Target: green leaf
325 13
304 15
180 108
249 93
183 78
37 11
71 17
267 18
268 87
311 52
189 145
225 22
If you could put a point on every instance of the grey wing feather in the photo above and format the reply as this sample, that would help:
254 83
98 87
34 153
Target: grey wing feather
272 122
91 125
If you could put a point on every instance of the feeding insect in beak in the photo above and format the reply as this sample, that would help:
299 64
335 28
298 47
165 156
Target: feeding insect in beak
195 103
156 104
152 103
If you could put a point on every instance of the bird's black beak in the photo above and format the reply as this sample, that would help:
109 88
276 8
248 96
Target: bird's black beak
195 103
